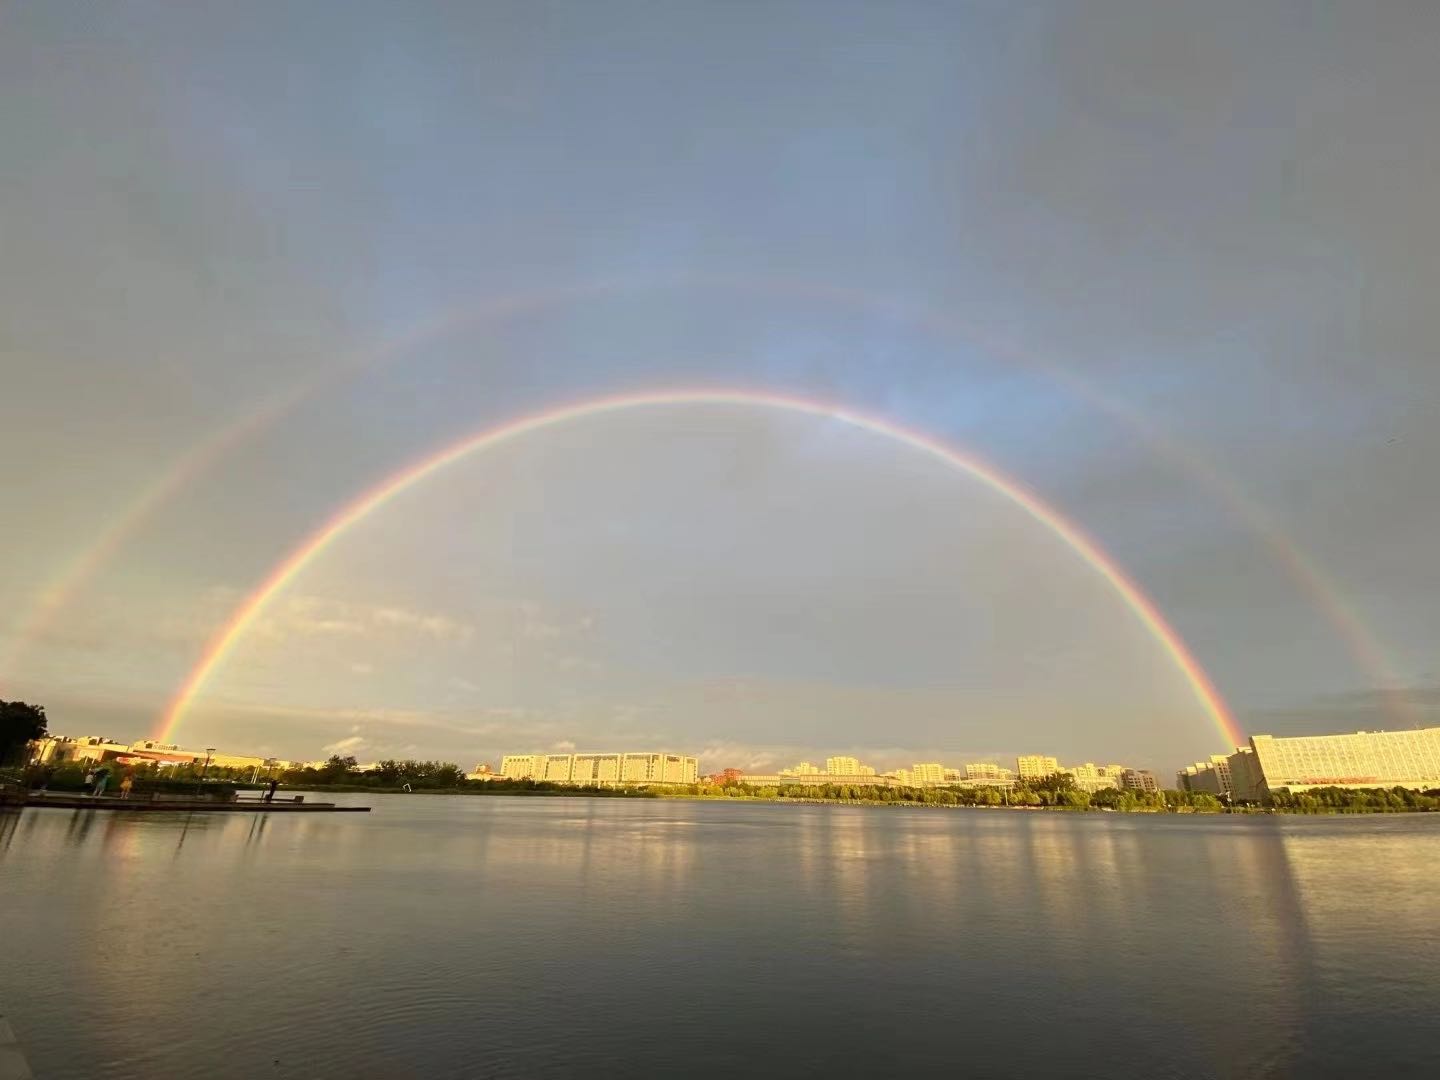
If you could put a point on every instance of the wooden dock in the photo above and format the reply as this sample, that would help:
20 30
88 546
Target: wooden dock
140 804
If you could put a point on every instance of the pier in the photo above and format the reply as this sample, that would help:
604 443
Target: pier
142 804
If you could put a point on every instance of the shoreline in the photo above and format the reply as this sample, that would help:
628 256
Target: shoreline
621 793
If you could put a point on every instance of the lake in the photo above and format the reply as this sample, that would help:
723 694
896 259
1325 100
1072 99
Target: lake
472 936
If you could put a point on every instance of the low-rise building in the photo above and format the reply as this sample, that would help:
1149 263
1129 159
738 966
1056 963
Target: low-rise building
818 779
986 770
612 768
96 749
518 767
1092 778
1139 780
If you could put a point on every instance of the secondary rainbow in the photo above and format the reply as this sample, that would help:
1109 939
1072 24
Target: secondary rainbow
374 498
1363 645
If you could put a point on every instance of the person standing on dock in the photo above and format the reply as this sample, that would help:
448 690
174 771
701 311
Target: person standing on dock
102 777
269 795
126 783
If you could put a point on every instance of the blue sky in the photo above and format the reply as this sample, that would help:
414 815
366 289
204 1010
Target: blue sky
1216 219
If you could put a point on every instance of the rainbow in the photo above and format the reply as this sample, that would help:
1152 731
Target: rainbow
1302 570
225 638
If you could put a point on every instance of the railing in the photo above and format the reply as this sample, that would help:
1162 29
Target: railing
260 796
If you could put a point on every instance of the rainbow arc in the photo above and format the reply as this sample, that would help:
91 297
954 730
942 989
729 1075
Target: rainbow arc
376 497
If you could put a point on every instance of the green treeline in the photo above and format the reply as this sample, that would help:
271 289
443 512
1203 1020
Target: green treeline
1056 792
1053 792
386 774
344 773
1334 800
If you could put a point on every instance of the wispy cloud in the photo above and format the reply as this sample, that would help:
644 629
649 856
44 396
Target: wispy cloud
307 616
351 744
535 625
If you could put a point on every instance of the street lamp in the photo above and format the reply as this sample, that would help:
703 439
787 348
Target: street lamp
204 769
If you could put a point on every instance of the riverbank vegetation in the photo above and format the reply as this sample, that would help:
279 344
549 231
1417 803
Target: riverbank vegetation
1335 800
1053 792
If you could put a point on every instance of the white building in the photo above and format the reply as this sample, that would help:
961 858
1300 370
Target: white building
612 768
1092 778
985 770
928 772
1211 777
1366 759
1036 766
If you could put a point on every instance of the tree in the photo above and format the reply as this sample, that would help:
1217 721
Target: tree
448 774
338 769
388 772
20 723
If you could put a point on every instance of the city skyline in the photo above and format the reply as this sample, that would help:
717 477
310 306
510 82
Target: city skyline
1364 758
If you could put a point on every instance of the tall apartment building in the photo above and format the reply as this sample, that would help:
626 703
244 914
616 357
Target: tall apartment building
842 766
1036 766
1211 777
927 772
1366 759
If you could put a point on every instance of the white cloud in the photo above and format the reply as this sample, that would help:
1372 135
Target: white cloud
439 627
349 745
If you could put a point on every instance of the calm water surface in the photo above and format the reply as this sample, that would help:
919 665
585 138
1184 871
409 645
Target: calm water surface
458 936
